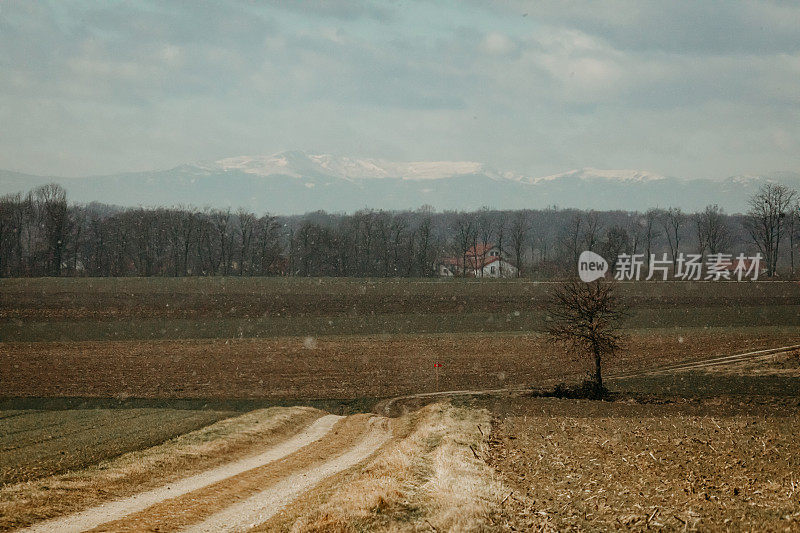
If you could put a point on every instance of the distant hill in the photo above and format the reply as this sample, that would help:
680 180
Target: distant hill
296 182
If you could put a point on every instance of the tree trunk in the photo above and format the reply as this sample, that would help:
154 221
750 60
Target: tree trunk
598 376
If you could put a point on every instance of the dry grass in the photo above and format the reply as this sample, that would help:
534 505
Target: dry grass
433 478
24 503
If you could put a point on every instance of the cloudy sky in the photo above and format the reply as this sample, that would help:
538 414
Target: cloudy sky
685 88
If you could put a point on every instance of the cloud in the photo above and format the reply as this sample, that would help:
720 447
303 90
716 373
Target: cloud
682 88
498 44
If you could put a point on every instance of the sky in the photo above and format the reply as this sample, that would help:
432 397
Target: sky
685 88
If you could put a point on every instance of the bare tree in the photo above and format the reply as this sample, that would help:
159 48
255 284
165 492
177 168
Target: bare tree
766 220
518 237
794 228
424 247
591 233
502 230
485 235
673 220
8 229
184 226
270 245
402 243
572 238
582 233
617 242
77 218
223 224
586 320
51 200
247 227
651 232
712 231
466 235
364 221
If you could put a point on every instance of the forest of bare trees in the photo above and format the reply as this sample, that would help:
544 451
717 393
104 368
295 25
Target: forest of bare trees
42 234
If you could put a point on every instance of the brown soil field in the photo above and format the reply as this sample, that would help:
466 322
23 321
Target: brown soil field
344 367
709 466
33 310
116 298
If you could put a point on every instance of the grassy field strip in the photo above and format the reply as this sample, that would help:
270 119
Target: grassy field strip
726 359
46 434
264 505
93 436
508 319
87 436
31 421
11 413
108 512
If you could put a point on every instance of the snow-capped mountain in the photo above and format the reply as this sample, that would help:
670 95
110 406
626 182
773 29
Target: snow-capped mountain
300 165
296 182
635 176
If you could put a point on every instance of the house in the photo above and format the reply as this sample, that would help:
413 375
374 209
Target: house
496 267
481 262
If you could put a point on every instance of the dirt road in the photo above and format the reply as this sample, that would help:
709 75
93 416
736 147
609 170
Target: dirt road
262 506
233 496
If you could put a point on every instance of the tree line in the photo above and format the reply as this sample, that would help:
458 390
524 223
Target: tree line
42 234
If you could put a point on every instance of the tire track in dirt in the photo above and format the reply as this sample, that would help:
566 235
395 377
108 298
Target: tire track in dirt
262 506
351 439
109 512
705 363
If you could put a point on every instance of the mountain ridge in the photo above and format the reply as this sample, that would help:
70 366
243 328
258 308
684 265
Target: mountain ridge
296 182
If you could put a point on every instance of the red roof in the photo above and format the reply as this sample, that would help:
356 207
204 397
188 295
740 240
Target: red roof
480 250
474 260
